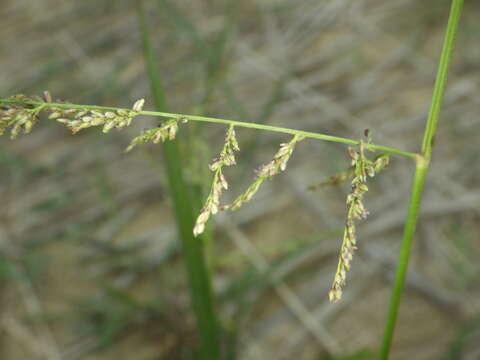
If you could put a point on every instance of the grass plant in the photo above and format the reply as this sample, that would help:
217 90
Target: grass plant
21 113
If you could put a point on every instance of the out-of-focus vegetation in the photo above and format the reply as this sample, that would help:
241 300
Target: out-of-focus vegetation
90 267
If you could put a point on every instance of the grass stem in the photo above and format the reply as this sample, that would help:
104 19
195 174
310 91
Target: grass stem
408 232
422 166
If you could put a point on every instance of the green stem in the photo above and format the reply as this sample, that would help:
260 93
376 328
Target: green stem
307 134
422 166
408 232
199 279
441 78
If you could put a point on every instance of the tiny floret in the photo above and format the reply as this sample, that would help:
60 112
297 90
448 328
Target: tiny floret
138 106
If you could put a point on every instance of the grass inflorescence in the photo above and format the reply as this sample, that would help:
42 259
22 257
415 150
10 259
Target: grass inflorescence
79 117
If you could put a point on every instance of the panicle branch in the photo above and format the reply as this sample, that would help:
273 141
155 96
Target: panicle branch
78 119
337 179
166 131
266 172
21 113
362 168
219 183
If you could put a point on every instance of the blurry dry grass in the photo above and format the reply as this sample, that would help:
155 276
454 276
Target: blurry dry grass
88 258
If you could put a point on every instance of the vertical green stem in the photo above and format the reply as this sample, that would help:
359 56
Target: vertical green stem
199 279
441 78
422 165
409 230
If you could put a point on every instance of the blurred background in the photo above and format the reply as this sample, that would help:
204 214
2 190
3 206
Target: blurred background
90 264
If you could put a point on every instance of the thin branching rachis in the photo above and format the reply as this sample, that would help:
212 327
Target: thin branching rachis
332 180
266 172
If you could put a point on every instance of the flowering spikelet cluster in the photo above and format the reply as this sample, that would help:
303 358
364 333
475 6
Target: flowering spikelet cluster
267 171
78 119
166 131
362 169
219 183
20 117
19 113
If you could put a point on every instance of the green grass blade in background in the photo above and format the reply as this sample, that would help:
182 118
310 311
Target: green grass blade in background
210 52
199 280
